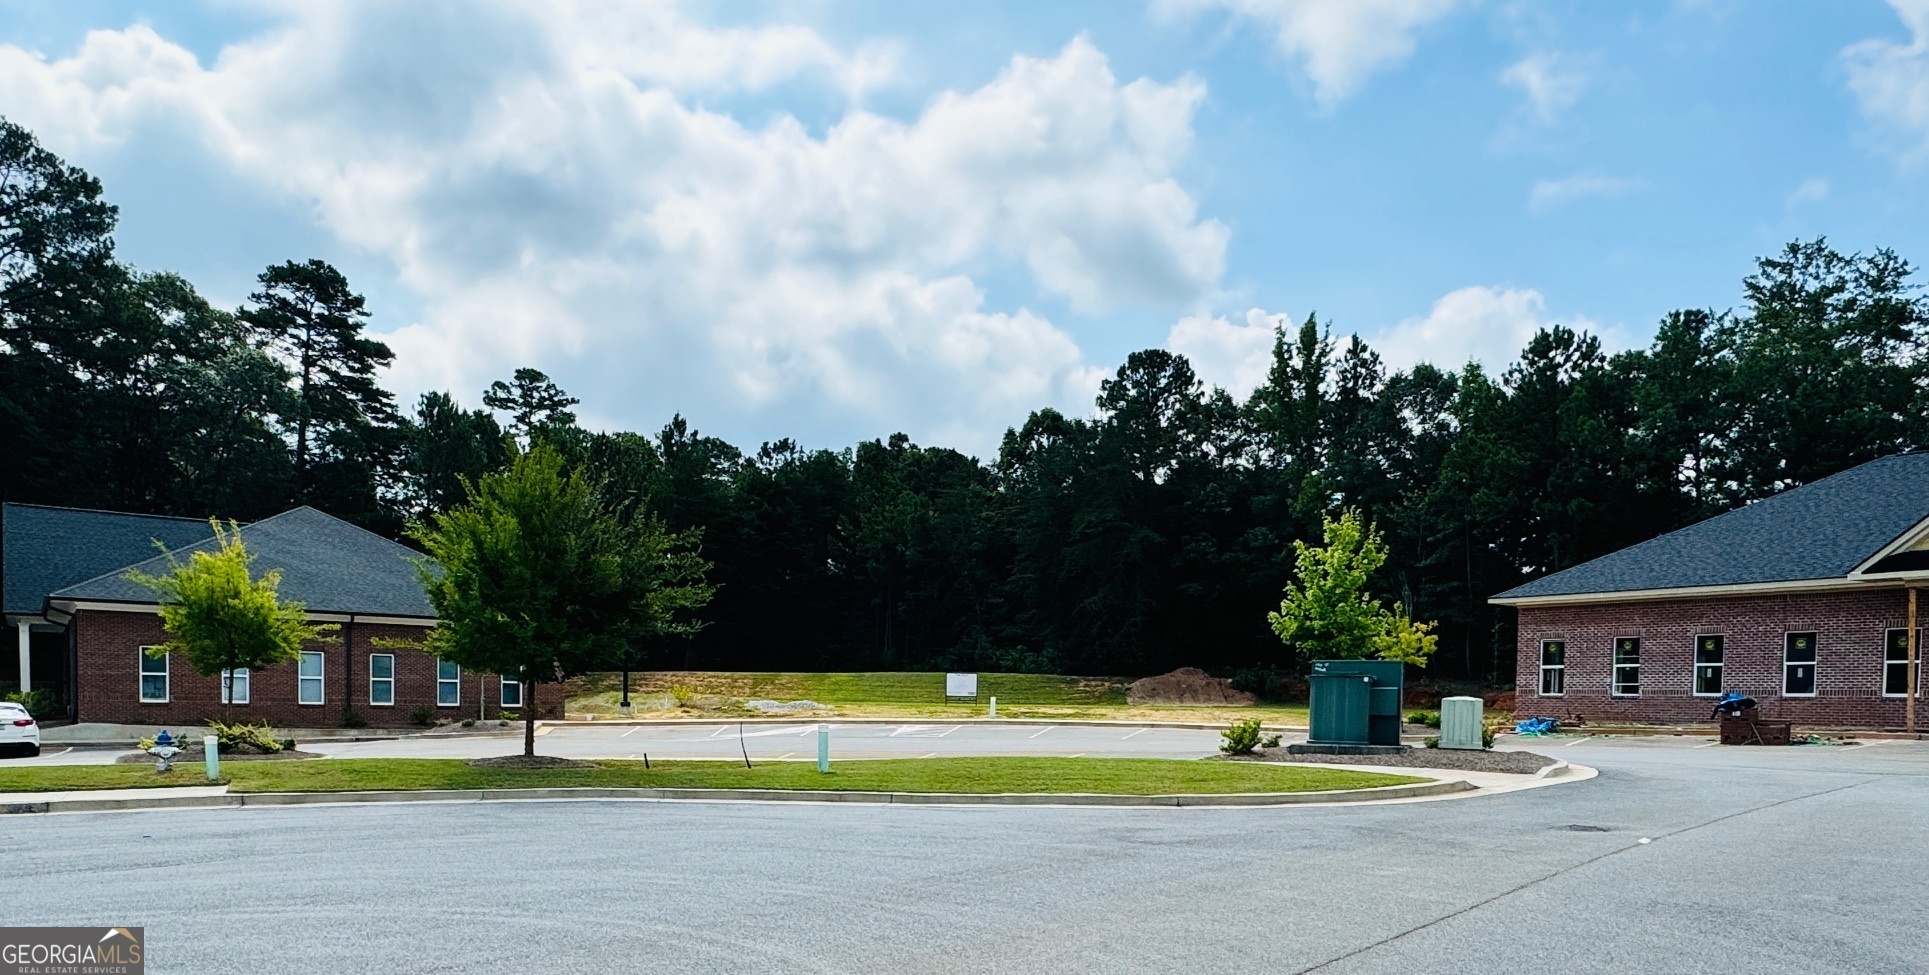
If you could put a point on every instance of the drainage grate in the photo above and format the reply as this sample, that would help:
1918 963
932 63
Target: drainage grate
1583 828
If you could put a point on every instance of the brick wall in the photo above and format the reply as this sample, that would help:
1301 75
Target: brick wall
109 648
1849 630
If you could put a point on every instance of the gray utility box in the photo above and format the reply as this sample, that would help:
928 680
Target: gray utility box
1356 702
1461 723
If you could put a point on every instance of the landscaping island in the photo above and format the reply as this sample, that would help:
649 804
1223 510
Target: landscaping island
969 776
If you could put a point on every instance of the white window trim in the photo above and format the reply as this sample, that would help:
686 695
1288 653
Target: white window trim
1541 687
389 680
245 676
1695 665
1882 679
166 675
1816 680
502 694
321 679
439 681
1614 666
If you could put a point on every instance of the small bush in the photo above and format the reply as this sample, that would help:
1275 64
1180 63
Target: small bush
468 722
1429 718
1241 738
1270 741
244 737
509 716
40 703
352 718
423 716
1432 741
1487 735
685 695
148 742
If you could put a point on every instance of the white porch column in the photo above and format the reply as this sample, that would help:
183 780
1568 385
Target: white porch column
26 659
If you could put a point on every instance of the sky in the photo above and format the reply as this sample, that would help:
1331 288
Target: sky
834 221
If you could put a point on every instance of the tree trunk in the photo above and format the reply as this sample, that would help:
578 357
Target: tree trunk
528 720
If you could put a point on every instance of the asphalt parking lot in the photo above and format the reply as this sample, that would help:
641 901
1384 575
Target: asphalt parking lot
1757 860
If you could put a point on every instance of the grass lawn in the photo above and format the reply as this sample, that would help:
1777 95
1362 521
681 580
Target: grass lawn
902 695
1123 776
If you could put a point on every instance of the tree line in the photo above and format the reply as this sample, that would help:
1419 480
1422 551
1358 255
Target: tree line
1156 531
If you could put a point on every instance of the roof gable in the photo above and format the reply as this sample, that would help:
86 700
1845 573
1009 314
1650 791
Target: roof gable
327 564
43 548
1820 530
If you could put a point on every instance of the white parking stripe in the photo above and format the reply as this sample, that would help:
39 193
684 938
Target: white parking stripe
1138 732
1047 728
632 731
932 755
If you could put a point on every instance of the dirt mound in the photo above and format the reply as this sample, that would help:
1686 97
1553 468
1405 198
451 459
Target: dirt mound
1187 685
529 761
1502 701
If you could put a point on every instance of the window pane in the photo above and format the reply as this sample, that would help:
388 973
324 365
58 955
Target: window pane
1801 679
1553 652
382 692
311 663
311 690
1708 650
511 694
445 693
153 688
1708 680
1799 648
1627 651
153 663
381 666
447 670
1553 680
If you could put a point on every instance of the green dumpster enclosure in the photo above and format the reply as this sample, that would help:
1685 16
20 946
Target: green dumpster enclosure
1355 705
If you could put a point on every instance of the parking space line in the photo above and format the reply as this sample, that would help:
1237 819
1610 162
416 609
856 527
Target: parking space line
1076 755
785 755
1577 741
949 730
1047 728
932 755
632 731
1138 732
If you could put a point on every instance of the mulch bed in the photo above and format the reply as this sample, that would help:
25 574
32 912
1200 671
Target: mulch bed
1519 763
529 761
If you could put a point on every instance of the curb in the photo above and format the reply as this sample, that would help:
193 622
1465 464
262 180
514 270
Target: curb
979 720
234 799
1554 771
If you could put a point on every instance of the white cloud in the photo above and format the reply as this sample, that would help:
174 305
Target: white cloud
1234 357
1891 80
1550 193
1813 190
1551 81
1339 43
544 178
1489 325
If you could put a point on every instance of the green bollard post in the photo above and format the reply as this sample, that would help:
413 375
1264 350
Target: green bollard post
823 748
211 755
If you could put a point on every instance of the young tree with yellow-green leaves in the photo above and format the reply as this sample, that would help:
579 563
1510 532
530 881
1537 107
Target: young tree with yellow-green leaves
1329 614
224 618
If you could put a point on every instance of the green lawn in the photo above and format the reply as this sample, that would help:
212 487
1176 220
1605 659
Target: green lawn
1121 776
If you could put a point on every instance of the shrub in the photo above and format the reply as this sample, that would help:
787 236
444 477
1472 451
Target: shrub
1270 741
1432 741
423 716
1241 738
352 718
241 736
468 722
1429 718
1487 735
509 716
40 702
686 696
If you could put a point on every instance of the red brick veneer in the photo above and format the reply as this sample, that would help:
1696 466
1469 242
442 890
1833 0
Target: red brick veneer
109 645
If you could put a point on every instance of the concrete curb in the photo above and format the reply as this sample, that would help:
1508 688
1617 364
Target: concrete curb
232 799
1554 771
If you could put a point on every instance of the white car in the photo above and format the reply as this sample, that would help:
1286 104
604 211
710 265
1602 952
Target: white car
18 730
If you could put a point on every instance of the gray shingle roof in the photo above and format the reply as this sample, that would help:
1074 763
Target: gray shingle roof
1821 530
45 548
327 564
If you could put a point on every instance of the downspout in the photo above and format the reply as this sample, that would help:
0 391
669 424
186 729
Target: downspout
348 666
1909 670
73 668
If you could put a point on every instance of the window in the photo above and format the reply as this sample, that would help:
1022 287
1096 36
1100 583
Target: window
1798 665
448 684
511 693
309 678
1895 663
154 684
1553 668
381 679
1708 654
1627 666
235 682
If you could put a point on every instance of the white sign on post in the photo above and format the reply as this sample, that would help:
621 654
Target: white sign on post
961 685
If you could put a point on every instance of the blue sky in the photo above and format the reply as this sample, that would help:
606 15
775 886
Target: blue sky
830 221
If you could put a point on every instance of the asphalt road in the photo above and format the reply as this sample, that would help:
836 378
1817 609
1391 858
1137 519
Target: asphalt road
1760 861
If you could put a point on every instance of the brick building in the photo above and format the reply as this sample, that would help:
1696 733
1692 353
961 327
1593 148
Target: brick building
83 627
1804 601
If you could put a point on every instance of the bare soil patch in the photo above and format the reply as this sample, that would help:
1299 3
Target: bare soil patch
1187 685
529 761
